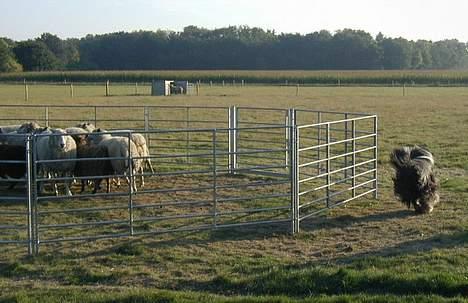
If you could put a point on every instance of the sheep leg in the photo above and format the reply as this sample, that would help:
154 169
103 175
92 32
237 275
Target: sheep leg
40 185
108 185
56 189
142 178
83 182
116 181
148 164
67 187
97 185
133 180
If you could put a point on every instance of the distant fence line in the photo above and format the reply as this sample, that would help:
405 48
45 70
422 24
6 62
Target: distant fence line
72 89
250 82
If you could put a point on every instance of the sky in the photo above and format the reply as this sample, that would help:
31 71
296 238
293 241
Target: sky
410 19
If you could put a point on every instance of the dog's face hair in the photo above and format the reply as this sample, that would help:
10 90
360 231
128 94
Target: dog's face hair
414 181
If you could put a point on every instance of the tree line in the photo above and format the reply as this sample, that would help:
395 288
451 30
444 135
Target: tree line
234 47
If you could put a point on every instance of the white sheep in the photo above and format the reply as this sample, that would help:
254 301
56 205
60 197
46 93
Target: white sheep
119 147
143 152
55 144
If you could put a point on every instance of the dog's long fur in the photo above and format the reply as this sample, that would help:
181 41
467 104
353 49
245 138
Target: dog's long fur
414 181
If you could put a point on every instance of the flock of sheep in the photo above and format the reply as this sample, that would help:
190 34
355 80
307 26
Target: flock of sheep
82 152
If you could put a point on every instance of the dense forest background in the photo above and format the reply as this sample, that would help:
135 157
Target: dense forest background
235 47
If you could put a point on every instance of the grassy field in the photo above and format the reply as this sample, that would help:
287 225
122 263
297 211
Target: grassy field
369 251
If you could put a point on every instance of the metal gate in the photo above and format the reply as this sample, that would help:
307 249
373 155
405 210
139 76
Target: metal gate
265 166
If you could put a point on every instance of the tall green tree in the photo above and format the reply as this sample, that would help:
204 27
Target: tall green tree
354 50
66 51
8 62
237 47
397 53
449 54
35 56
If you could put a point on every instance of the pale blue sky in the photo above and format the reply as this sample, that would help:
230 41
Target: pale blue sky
411 19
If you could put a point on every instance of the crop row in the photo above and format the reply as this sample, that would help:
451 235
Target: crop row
438 77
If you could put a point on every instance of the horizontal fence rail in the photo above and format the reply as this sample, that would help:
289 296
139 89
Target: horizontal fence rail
212 167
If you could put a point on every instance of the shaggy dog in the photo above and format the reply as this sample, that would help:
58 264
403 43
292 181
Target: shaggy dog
414 181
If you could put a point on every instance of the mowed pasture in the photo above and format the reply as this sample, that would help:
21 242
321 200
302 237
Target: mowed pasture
370 250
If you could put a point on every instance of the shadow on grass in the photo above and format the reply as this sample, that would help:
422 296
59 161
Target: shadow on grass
323 222
358 275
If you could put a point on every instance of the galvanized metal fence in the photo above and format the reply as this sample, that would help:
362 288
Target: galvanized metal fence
215 167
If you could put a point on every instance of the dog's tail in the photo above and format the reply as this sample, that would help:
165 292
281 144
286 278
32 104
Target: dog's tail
410 156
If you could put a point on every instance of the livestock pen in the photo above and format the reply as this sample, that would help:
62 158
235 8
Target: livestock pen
215 167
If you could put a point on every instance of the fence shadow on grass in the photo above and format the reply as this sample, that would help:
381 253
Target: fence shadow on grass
326 222
331 278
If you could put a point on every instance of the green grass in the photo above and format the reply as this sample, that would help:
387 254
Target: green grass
368 251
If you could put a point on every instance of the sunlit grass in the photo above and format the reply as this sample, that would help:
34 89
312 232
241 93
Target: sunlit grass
369 251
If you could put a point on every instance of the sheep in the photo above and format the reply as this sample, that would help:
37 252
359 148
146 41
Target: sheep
12 170
143 152
92 168
77 133
13 138
142 149
119 147
89 127
17 137
9 128
27 127
57 145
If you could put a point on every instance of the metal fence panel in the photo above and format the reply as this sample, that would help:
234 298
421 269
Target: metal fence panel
215 167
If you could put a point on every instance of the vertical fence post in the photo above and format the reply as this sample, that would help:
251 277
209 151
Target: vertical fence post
95 116
233 125
136 88
345 171
286 138
35 210
46 116
107 89
132 181
71 91
328 164
187 134
353 157
26 91
30 180
375 159
147 125
215 180
294 170
319 141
